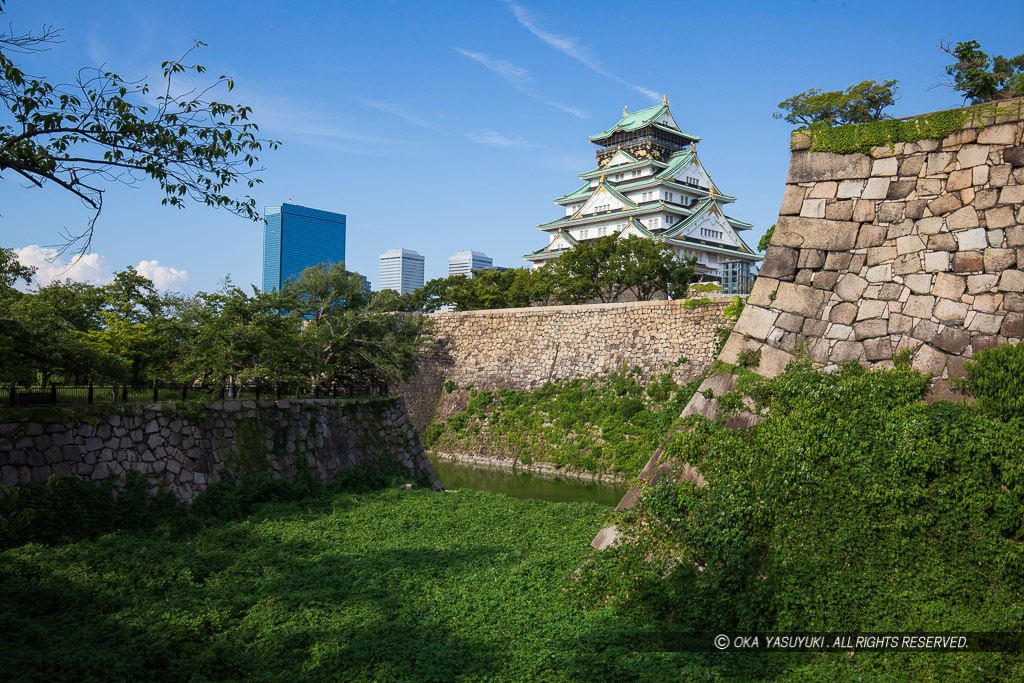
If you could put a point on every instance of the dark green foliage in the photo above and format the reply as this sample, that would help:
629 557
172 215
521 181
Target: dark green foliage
595 424
766 239
602 270
997 381
853 506
721 337
860 103
748 358
449 386
980 78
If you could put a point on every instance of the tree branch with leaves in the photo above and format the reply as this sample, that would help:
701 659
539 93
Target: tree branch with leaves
102 129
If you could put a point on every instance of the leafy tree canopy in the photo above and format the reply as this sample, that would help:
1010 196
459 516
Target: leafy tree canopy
97 130
860 103
980 78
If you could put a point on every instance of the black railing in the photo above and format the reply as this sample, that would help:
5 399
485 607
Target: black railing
167 392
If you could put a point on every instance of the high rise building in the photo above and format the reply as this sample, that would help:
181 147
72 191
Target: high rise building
465 262
297 237
650 183
400 270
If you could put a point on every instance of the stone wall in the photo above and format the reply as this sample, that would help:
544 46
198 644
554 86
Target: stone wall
185 449
919 247
522 348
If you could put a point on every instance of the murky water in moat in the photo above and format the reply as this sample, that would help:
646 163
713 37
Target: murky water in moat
519 484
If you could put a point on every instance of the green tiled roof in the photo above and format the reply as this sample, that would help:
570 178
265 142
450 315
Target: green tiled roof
581 192
596 173
565 221
638 119
546 249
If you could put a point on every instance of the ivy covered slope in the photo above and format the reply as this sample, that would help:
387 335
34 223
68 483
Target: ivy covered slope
853 506
597 424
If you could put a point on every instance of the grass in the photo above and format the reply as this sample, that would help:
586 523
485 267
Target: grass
598 424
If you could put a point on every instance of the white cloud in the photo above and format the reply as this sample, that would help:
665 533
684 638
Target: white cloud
571 46
51 266
493 139
92 268
520 78
164 278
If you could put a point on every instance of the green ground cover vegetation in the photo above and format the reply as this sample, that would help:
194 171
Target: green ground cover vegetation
853 506
597 424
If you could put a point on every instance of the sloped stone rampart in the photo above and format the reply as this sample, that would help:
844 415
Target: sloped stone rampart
522 348
183 450
918 247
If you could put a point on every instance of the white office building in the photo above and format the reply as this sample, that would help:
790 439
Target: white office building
465 262
400 270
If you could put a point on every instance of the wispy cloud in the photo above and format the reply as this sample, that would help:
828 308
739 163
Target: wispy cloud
572 47
520 78
493 139
399 110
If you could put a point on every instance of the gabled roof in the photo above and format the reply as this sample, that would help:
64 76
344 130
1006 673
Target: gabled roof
582 192
630 158
705 206
677 161
597 172
546 250
640 119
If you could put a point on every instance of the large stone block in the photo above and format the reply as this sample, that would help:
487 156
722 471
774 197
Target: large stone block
998 260
799 299
885 167
1012 194
968 240
815 233
756 322
949 286
1011 281
850 287
1014 156
876 188
919 306
947 203
870 236
962 219
807 167
779 262
968 262
971 155
950 311
998 135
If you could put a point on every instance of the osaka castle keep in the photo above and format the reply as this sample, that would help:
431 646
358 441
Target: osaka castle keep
650 183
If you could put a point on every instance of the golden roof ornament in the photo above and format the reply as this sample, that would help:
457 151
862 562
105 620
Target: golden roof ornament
664 100
624 109
712 195
601 181
693 146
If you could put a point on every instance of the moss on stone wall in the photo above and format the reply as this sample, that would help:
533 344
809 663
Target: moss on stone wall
863 137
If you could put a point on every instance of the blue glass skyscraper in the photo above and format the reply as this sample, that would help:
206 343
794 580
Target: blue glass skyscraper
297 237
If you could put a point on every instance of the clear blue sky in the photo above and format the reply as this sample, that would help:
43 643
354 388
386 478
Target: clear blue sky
451 125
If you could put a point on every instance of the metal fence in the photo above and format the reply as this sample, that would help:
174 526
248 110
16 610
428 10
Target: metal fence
164 392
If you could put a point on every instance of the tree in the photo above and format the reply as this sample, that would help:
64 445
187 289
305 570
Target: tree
588 271
860 103
645 267
345 337
96 130
981 78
